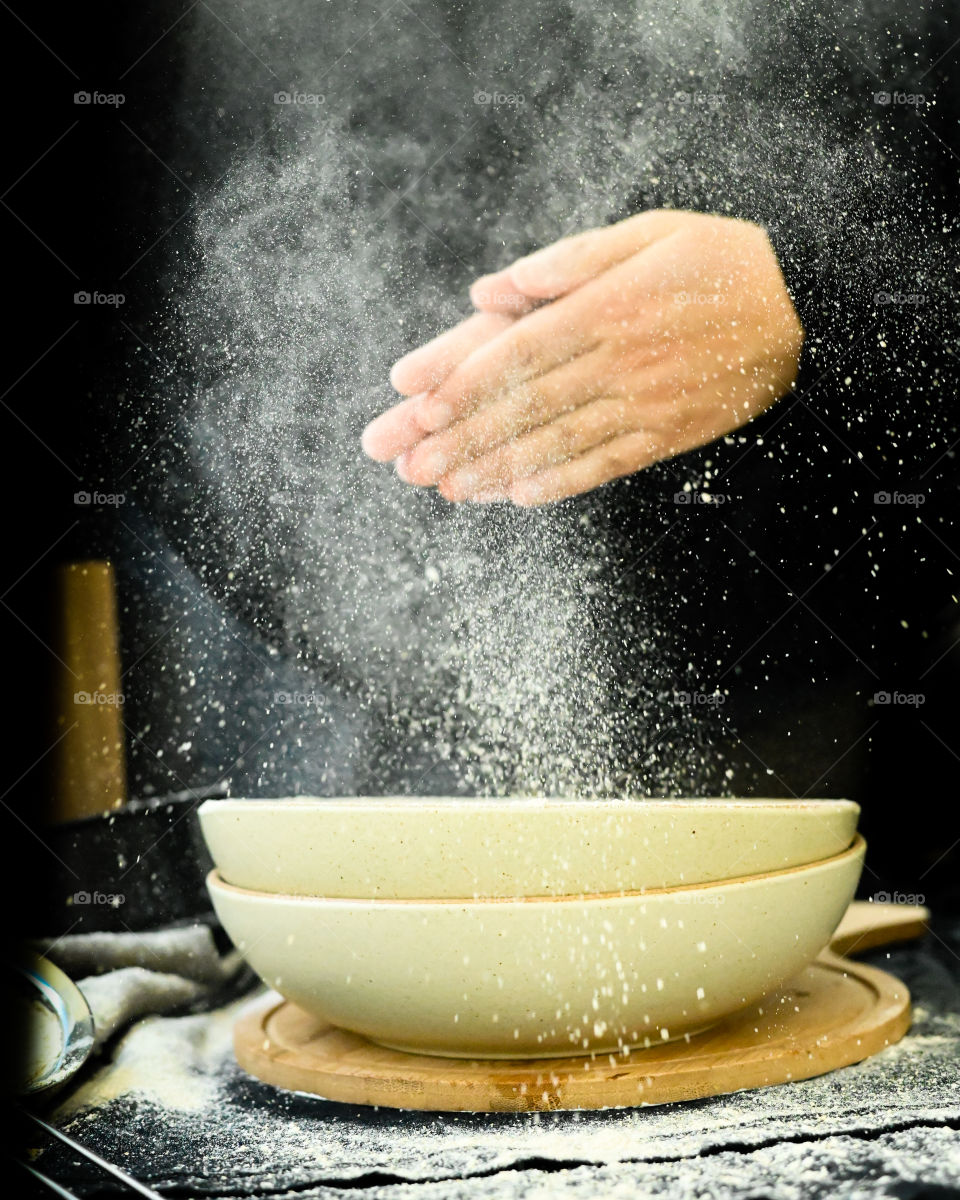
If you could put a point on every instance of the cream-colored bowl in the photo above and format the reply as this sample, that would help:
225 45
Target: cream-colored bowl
439 847
540 977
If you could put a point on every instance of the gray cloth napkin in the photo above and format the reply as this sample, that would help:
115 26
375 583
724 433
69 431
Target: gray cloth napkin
125 976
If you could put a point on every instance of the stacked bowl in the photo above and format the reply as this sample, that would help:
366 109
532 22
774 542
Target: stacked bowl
521 928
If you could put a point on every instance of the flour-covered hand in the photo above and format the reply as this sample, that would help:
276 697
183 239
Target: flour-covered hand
594 358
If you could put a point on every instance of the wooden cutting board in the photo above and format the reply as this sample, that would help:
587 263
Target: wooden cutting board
833 1014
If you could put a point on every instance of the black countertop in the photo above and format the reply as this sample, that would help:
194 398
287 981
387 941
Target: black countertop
171 1106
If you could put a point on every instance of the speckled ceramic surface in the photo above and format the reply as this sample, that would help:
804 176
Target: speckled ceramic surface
540 977
414 848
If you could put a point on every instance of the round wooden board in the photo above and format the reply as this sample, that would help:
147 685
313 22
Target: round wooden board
835 1013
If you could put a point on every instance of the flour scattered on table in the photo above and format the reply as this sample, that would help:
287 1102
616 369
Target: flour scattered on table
169 1062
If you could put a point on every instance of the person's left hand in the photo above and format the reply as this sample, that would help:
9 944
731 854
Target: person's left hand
594 358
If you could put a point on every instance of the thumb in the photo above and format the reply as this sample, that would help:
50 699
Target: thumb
566 265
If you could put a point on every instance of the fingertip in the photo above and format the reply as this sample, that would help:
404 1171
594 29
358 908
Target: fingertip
402 467
459 485
373 441
423 467
535 276
403 375
498 295
483 289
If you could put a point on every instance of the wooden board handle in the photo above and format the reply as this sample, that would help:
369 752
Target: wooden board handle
867 924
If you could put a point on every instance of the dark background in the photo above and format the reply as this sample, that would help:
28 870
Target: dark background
82 202
87 205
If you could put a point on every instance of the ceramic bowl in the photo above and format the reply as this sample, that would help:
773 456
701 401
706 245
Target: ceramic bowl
540 977
414 848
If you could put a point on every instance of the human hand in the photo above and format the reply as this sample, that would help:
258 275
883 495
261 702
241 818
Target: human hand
594 358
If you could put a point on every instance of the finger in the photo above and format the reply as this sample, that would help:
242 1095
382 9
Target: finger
394 431
614 459
497 293
560 268
556 442
429 364
515 412
530 347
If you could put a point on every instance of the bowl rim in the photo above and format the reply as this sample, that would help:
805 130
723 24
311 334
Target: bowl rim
432 804
856 849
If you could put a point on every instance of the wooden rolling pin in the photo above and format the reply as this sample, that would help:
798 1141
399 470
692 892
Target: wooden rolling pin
89 769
